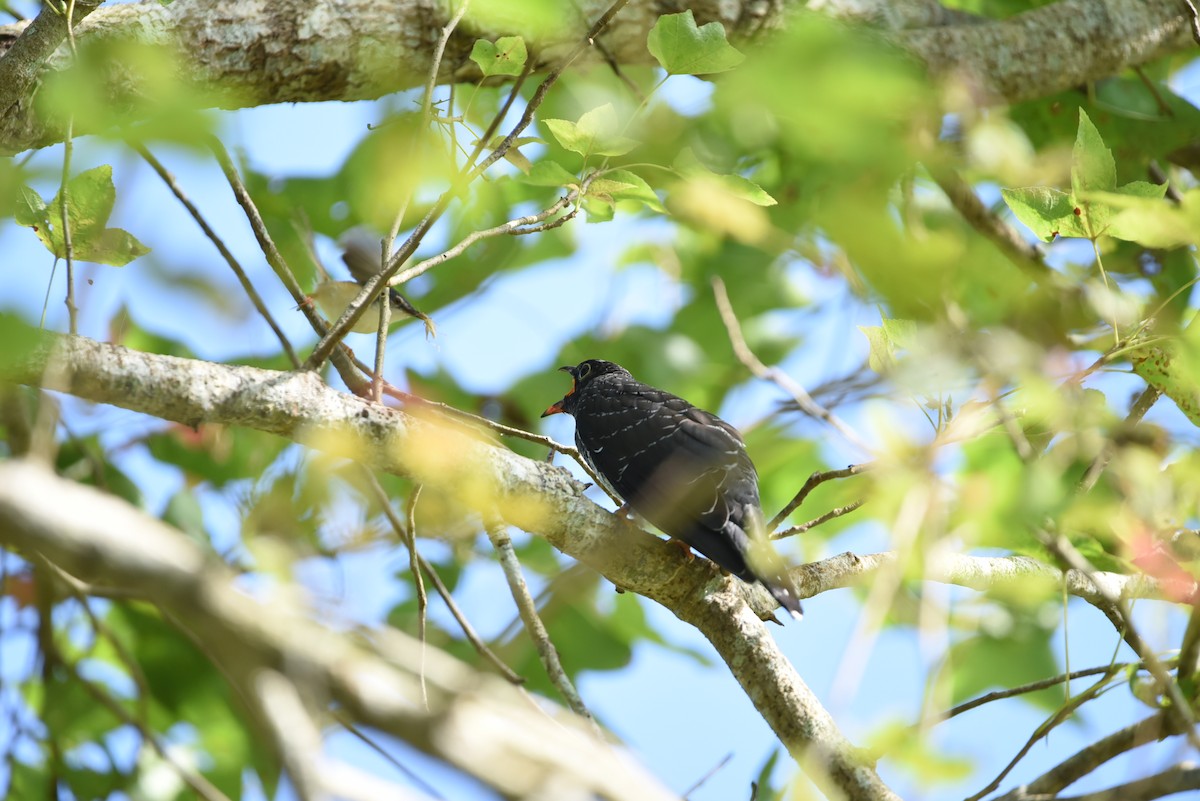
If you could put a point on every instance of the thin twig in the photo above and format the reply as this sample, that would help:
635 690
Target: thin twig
417 564
498 534
410 513
999 695
813 481
511 227
711 772
381 337
1195 19
277 262
64 215
435 66
1147 399
816 521
774 374
350 726
169 179
1095 754
1060 715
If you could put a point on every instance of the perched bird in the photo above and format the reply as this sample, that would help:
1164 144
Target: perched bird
361 256
683 469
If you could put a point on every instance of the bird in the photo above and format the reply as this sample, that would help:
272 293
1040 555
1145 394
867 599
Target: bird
677 466
362 260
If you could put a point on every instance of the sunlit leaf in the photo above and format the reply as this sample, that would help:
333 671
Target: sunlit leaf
596 133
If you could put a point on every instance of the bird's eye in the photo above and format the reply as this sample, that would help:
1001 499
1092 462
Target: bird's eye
585 370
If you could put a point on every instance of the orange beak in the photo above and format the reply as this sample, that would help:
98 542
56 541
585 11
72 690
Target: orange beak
557 408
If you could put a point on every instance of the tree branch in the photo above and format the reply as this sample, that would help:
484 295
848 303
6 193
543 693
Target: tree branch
27 54
470 716
989 573
535 496
1093 756
315 50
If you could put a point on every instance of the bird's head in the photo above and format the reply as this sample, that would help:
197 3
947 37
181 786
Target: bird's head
581 374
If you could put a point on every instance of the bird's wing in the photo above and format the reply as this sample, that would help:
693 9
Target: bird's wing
676 465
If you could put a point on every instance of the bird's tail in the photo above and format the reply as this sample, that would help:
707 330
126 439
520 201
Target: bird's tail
768 566
782 590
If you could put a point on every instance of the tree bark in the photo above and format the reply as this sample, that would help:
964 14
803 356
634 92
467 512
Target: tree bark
237 54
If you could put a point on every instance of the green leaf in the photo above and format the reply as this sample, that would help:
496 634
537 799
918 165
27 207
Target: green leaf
1173 368
604 188
1019 656
112 246
683 49
594 134
902 333
1047 212
549 173
31 209
633 187
884 340
506 57
90 199
1092 164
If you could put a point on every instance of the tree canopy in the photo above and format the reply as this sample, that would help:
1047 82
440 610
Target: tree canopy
936 261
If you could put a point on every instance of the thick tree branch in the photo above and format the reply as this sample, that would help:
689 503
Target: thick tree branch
991 573
248 54
532 495
470 717
27 54
1054 47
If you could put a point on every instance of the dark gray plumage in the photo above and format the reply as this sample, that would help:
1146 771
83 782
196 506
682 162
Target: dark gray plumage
681 468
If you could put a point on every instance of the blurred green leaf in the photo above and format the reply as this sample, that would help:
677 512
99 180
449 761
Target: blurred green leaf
549 173
216 454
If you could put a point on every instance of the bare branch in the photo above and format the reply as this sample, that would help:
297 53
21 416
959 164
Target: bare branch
297 738
815 480
169 179
986 573
774 374
384 47
471 715
533 622
1093 756
832 514
1177 779
1007 239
